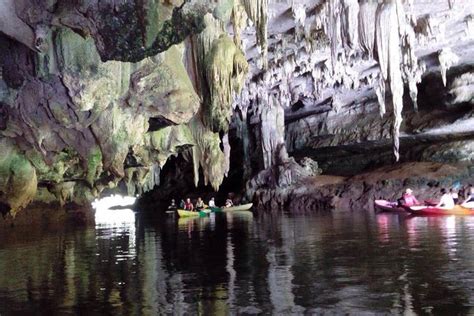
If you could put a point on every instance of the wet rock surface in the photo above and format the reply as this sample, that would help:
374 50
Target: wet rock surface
345 194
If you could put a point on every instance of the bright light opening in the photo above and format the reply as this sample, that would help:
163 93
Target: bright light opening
113 200
104 216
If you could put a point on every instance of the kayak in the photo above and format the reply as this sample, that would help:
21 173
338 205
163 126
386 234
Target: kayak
184 213
204 212
387 206
431 210
214 209
242 207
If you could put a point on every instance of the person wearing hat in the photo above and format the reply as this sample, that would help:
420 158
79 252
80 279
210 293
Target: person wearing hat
409 199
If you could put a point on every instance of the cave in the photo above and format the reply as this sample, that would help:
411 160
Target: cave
286 109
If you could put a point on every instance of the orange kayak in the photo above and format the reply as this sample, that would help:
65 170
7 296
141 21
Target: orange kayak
431 210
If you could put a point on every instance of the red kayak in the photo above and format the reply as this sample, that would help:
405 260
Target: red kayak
387 206
430 210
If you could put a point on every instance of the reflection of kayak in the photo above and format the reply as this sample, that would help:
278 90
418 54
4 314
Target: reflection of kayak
387 206
430 210
242 207
242 214
184 213
193 220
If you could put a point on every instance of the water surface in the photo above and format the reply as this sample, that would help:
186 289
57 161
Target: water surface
355 263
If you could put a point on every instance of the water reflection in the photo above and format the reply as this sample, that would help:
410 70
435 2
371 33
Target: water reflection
234 263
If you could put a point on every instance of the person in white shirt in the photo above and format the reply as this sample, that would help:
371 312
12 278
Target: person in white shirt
454 195
212 203
446 201
469 201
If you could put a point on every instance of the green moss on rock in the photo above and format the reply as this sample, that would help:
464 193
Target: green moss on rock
18 181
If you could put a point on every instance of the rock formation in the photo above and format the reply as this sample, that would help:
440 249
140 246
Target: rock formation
98 95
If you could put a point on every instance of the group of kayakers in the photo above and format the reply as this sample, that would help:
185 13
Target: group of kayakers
448 198
199 205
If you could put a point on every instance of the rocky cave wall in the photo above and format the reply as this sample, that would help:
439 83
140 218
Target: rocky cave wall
360 79
97 95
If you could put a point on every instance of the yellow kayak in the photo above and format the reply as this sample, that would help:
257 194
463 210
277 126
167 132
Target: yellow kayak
184 213
242 207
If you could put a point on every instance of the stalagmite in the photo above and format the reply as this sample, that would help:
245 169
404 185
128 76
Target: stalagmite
272 127
446 59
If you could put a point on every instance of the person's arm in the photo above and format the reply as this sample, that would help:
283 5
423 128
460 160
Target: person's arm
416 201
442 201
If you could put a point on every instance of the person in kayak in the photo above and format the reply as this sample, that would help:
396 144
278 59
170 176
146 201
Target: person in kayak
408 199
172 206
228 203
188 206
182 204
454 195
199 204
469 201
446 201
212 203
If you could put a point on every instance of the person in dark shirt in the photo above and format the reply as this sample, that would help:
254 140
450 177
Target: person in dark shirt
188 206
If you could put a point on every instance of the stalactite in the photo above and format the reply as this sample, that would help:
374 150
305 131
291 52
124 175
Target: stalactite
380 92
446 59
221 67
344 37
333 29
208 155
239 19
226 68
257 11
451 3
214 29
366 27
412 70
349 20
389 57
469 25
299 15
